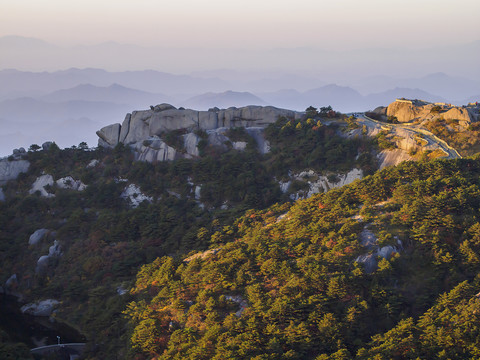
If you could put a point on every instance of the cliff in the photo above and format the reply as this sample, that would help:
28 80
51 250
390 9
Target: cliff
142 129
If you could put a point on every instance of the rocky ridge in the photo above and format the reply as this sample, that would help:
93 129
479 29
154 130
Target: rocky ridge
417 110
142 130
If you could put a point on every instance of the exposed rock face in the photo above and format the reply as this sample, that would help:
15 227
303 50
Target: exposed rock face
392 157
2 195
69 182
190 143
319 183
406 111
134 195
9 170
154 149
142 129
92 164
40 308
40 183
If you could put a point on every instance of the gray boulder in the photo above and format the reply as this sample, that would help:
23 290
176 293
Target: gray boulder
37 236
9 170
154 149
190 143
110 135
46 145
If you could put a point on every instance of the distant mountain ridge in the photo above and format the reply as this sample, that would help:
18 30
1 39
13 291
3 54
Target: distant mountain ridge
223 100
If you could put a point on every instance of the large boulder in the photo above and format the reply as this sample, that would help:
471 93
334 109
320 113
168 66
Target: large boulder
190 144
409 110
463 116
37 236
109 135
9 170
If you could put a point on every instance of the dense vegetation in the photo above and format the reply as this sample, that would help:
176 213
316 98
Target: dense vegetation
288 287
237 271
104 241
308 143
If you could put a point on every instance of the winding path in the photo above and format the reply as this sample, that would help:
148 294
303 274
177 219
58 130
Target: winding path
427 135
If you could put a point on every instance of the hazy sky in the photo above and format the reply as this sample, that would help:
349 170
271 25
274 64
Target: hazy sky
331 24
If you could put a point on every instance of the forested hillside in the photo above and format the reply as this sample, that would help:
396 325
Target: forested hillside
208 258
95 231
291 281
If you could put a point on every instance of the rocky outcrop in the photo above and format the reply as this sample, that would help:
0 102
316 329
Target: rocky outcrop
44 181
463 115
43 261
141 130
70 183
410 110
134 195
40 183
368 239
316 183
406 111
9 170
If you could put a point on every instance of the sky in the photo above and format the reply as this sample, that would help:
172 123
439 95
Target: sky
246 24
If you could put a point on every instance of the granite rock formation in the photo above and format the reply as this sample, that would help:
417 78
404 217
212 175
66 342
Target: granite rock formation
142 130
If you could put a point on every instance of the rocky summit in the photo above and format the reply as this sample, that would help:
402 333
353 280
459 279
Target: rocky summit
141 130
405 110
